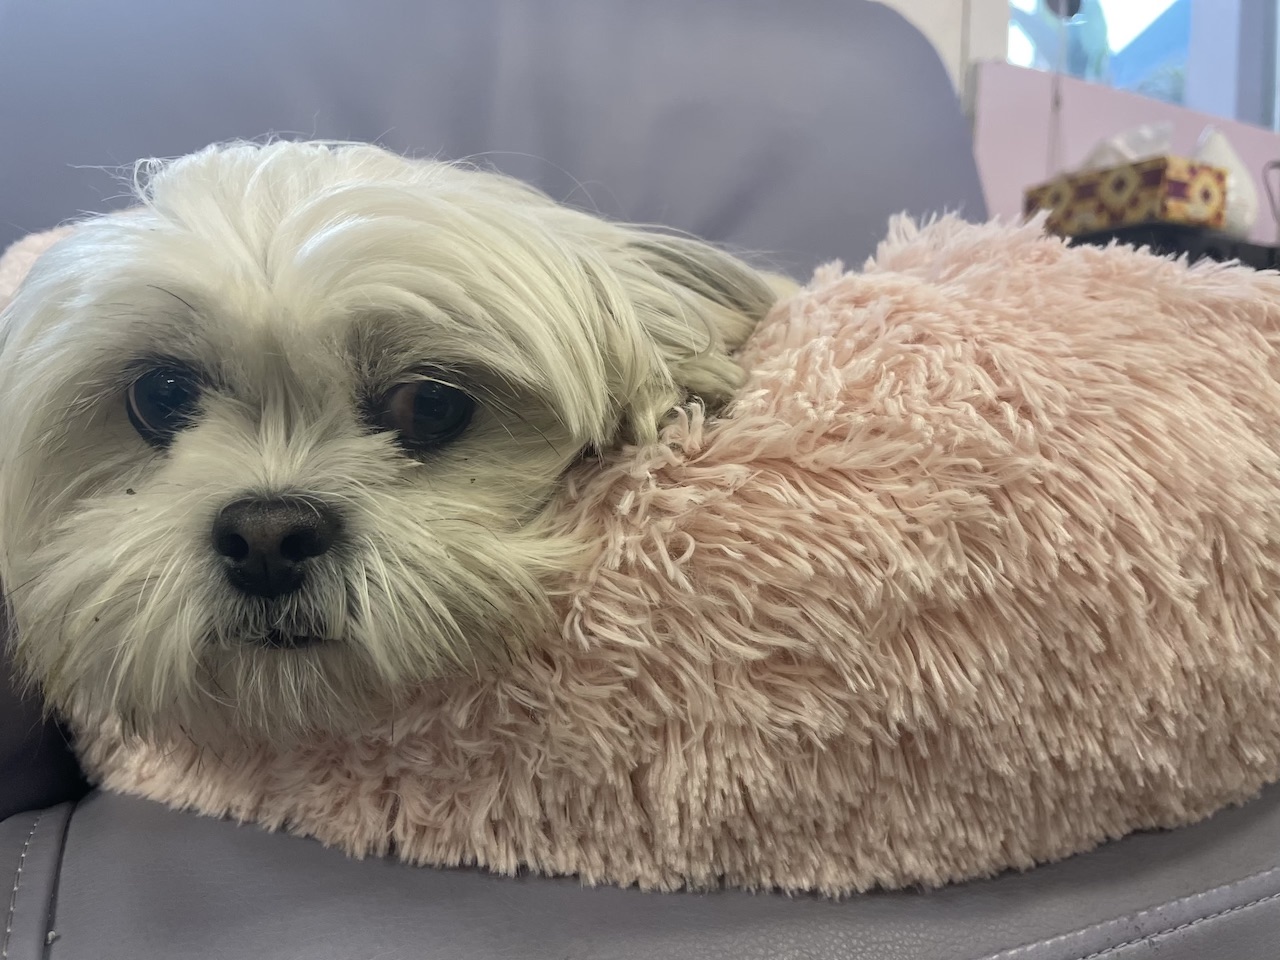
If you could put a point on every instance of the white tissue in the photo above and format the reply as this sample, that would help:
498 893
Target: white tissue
1139 143
1242 195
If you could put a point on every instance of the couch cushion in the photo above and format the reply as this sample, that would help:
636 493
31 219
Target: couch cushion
139 882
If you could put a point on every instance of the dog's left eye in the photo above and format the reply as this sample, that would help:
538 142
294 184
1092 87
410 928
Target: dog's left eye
161 402
427 413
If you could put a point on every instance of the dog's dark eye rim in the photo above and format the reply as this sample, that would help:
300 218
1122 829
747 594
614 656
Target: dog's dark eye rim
161 398
426 410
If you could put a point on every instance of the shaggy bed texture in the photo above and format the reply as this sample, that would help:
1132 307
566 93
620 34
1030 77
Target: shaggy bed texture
982 569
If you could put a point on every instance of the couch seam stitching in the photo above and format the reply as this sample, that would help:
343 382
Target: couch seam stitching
52 907
1023 948
13 895
1169 931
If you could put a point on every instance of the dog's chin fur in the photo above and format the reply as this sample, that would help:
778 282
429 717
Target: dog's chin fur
299 280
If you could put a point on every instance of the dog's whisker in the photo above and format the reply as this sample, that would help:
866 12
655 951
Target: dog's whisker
512 413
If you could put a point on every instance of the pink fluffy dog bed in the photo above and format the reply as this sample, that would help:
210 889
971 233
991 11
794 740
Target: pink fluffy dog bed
982 569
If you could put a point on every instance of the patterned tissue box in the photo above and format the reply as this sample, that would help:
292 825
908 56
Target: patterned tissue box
1164 189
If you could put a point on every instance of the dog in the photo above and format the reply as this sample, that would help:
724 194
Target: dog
287 439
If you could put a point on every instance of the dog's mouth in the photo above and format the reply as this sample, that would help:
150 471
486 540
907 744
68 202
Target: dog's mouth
283 640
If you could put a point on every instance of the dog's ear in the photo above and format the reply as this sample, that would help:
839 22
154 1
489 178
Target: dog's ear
696 305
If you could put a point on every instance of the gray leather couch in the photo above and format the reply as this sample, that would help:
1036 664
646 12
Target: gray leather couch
792 127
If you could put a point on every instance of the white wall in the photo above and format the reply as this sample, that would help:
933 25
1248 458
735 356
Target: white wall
964 31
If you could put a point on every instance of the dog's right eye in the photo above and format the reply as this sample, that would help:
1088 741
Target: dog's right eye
426 414
161 402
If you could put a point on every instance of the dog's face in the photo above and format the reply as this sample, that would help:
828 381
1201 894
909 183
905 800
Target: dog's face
286 441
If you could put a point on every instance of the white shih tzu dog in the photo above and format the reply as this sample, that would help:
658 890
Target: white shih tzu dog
285 440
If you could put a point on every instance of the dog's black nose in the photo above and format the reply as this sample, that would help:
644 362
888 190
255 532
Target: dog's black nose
267 540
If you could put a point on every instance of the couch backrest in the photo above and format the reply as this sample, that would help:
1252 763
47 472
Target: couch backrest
792 127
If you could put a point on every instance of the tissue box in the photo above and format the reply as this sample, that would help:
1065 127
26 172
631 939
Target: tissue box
1163 189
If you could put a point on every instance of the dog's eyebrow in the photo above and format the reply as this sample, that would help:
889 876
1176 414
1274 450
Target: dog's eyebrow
386 349
388 344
